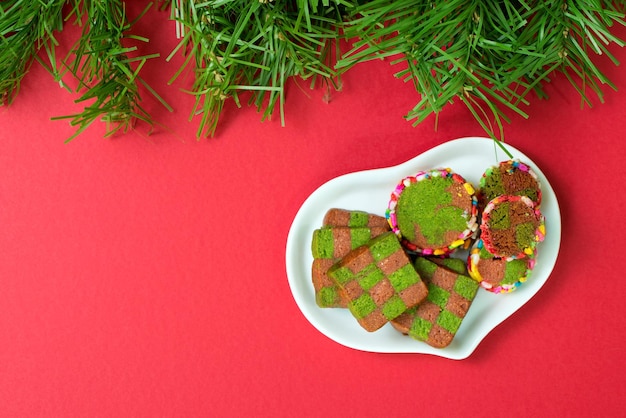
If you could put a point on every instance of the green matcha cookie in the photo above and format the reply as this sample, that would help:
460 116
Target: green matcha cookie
433 212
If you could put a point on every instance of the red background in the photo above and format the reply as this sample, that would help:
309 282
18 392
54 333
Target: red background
145 275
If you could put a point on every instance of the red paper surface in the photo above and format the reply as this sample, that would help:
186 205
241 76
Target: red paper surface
145 275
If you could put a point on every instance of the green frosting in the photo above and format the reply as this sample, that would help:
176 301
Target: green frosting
449 321
404 277
362 306
427 204
420 328
393 307
384 245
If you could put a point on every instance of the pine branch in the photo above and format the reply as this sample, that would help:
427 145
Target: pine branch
25 28
247 46
107 74
488 55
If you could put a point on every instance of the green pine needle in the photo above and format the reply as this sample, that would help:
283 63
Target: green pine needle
255 47
488 54
25 28
107 74
107 71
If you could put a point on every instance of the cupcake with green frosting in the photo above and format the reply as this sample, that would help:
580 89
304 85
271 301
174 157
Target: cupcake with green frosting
433 212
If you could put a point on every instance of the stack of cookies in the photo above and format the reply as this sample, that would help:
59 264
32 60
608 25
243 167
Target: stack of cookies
408 268
342 231
511 227
361 265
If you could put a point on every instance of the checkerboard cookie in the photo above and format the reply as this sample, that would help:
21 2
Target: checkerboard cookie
328 245
437 319
454 264
379 281
354 218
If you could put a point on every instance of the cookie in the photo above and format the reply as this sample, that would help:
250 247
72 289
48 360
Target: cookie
510 177
354 218
327 246
511 226
437 319
433 212
379 281
495 274
456 265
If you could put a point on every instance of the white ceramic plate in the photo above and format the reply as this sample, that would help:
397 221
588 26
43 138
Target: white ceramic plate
370 191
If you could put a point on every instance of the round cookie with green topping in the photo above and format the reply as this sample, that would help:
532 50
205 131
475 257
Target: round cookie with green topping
433 212
511 226
510 177
495 274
